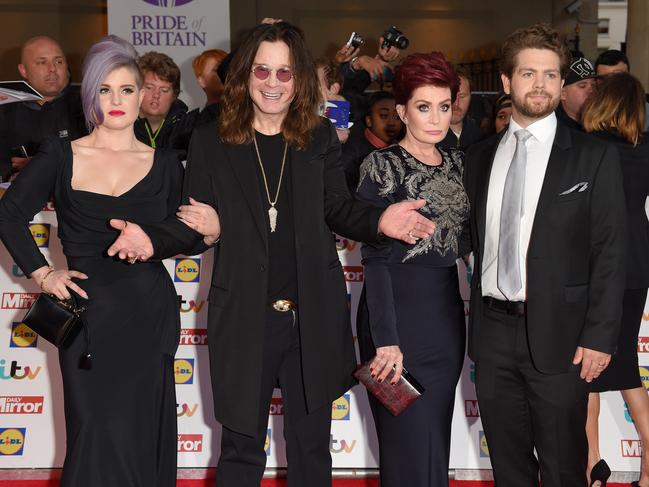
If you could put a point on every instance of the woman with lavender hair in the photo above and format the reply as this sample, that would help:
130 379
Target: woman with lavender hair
120 407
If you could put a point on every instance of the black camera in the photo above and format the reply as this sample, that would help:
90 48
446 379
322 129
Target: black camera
394 37
355 40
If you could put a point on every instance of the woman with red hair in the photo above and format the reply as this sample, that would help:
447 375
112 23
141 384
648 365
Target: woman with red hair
411 313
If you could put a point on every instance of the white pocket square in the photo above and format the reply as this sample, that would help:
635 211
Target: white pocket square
579 187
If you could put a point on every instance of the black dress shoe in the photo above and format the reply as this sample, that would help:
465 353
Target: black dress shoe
600 472
635 483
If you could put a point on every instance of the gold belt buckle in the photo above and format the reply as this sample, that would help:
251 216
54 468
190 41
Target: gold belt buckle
283 305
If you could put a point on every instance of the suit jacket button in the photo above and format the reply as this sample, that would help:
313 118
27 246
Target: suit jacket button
262 268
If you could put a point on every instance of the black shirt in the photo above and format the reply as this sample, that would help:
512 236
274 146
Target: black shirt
470 134
282 277
565 119
28 124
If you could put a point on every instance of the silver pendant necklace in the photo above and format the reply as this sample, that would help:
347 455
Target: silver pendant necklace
272 211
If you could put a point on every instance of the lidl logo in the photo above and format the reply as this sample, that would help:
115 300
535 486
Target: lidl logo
184 370
267 442
643 344
18 300
484 448
193 336
190 443
186 410
644 375
276 406
343 244
340 408
341 446
21 404
41 233
631 448
22 336
12 441
16 371
353 273
471 409
187 270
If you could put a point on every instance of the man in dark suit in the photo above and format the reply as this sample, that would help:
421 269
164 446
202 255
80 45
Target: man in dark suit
547 232
278 312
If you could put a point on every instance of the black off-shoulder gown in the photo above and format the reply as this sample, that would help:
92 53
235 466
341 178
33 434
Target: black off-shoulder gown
121 414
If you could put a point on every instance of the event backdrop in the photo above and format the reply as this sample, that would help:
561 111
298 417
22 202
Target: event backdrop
31 410
180 28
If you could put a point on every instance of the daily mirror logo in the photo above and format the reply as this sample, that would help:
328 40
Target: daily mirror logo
193 336
190 443
21 404
18 300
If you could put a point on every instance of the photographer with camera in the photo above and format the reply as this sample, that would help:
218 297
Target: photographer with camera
359 71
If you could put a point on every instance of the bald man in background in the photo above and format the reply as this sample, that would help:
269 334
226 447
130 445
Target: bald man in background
24 125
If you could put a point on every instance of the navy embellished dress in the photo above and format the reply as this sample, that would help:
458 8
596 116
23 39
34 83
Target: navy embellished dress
411 298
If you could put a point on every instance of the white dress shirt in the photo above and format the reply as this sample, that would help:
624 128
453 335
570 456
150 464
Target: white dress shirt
538 148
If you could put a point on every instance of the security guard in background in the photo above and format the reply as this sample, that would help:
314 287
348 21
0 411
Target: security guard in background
24 125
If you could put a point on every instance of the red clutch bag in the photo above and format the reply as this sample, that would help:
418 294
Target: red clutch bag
395 397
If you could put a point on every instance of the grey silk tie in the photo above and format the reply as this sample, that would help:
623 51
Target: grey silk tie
511 211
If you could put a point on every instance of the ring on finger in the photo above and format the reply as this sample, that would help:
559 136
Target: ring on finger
133 260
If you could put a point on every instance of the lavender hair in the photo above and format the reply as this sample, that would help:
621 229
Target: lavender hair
105 56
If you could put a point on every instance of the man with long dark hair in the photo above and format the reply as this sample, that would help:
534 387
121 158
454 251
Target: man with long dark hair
278 307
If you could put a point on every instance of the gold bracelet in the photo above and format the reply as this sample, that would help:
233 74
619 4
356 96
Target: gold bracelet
51 269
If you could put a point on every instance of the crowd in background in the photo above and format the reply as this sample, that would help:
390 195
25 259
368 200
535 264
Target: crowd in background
388 156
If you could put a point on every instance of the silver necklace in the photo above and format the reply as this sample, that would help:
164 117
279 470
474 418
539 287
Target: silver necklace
272 211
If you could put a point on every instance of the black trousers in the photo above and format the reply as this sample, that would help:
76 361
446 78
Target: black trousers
243 458
523 410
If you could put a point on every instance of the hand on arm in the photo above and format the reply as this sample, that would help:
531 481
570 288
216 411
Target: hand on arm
203 218
132 243
57 282
592 362
403 222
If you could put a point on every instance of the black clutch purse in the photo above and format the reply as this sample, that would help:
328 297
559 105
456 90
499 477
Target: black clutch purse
53 319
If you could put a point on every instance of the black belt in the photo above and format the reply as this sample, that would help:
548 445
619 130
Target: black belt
514 308
283 305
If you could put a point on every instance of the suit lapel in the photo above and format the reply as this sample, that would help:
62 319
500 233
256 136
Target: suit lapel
243 161
556 166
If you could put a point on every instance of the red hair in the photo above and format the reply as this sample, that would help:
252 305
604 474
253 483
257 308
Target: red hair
421 69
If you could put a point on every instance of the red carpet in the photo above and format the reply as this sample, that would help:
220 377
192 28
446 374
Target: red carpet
265 483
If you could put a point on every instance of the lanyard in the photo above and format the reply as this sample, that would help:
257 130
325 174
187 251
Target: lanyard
148 131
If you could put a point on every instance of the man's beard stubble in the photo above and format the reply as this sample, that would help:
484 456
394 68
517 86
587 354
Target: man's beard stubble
535 110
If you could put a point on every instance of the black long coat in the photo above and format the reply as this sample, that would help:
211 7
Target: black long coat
225 176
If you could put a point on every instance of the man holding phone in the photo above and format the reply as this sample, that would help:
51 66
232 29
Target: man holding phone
24 125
